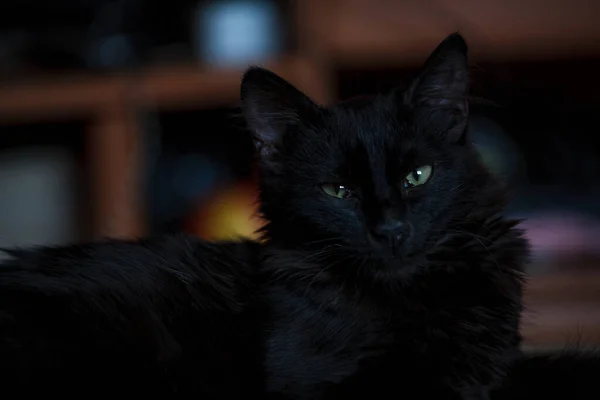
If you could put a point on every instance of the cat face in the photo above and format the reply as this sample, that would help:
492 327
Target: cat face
381 179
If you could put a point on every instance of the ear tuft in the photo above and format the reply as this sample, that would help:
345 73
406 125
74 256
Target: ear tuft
271 105
443 84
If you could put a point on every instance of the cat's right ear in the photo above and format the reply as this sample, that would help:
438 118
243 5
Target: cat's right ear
442 87
272 106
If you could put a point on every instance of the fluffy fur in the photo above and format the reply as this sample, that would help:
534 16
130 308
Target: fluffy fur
392 291
161 316
436 314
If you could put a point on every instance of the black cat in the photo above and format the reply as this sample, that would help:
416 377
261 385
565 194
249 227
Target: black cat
387 270
394 271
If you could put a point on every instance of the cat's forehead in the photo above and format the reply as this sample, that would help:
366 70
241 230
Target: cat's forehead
370 138
376 126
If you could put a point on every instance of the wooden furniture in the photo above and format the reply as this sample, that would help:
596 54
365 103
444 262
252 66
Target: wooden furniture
383 32
562 310
111 103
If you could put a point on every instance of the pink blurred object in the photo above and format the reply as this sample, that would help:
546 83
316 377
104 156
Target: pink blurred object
563 234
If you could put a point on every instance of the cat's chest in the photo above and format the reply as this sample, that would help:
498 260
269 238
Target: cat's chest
309 346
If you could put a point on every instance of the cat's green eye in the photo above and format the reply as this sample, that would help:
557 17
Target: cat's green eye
335 190
418 176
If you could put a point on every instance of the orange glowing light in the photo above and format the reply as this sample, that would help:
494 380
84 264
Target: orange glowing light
228 214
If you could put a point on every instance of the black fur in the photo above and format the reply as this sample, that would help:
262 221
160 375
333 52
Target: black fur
327 306
436 315
163 316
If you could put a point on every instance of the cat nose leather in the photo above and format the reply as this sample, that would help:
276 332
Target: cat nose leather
391 232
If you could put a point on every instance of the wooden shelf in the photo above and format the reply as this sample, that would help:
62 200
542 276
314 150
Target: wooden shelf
188 86
172 86
367 32
562 308
68 97
111 103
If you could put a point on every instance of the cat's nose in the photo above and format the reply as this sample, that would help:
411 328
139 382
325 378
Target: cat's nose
391 232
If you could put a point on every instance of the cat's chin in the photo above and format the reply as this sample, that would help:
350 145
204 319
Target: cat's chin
401 263
396 257
394 269
385 250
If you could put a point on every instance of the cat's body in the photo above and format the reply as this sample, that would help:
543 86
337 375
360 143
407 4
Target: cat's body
117 317
162 316
355 345
387 271
388 280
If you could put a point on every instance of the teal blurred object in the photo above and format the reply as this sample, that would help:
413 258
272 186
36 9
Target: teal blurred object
237 32
38 197
498 151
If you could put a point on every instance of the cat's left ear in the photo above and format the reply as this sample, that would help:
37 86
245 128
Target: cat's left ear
442 88
272 108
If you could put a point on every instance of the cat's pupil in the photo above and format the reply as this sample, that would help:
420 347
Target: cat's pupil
416 174
338 191
413 178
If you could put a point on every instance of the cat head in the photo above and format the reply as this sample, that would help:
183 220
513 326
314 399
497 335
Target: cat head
384 179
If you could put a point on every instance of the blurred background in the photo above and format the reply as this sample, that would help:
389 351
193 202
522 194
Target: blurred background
120 118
